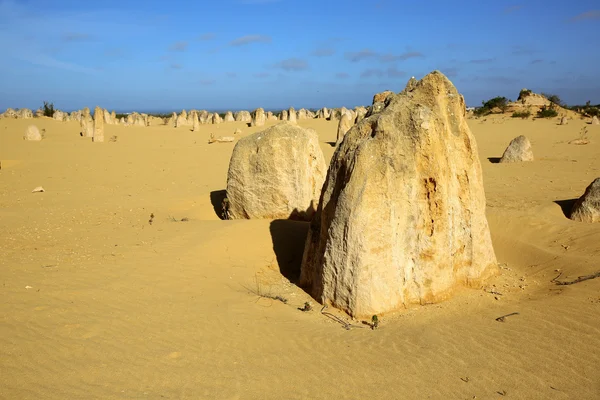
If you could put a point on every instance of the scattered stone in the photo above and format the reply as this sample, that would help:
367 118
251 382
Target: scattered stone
595 120
271 116
58 115
220 139
402 213
24 113
292 115
258 117
9 113
587 207
32 133
98 125
39 113
216 118
237 131
564 121
38 189
228 117
243 116
276 173
518 150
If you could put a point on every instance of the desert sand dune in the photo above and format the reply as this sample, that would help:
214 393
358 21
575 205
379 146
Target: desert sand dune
99 303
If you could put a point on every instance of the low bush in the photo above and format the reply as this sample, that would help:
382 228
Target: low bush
48 109
521 114
547 112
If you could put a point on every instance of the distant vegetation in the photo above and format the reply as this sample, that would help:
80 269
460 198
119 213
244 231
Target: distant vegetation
524 93
522 114
554 99
488 107
48 109
547 111
588 110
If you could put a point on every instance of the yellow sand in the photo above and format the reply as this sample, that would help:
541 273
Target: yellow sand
97 303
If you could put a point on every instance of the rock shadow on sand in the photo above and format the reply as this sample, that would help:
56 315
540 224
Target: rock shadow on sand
289 237
216 199
566 206
494 160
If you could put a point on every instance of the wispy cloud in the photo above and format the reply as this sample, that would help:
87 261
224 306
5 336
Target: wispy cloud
50 62
360 55
206 36
292 64
588 15
231 75
537 61
323 52
248 39
207 82
342 75
76 37
401 57
262 75
512 9
115 52
523 51
391 72
175 66
450 72
178 46
483 61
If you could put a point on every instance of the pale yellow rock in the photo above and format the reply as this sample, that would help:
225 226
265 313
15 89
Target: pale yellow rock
98 125
346 122
292 115
276 173
258 117
32 133
518 150
595 120
587 207
228 117
402 214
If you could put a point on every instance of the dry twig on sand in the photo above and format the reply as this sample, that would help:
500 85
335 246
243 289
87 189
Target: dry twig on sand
579 279
502 318
346 325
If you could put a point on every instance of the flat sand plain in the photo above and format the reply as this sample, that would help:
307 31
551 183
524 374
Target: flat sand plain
97 303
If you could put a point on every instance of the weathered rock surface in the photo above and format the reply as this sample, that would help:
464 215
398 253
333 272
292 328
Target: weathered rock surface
346 122
360 113
258 117
24 113
216 118
381 97
401 217
283 115
587 207
595 120
195 122
564 121
292 115
518 150
9 113
98 125
228 117
32 133
243 116
58 115
276 173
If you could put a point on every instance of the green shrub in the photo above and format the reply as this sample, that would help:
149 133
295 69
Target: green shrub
524 93
48 109
521 114
547 112
554 99
488 106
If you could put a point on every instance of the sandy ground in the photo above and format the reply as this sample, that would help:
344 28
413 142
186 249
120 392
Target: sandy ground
97 303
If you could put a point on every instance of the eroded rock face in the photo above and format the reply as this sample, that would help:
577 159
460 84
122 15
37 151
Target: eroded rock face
243 116
292 115
24 113
98 125
58 115
9 113
595 120
228 117
346 122
518 150
381 97
284 115
258 117
401 218
216 118
564 121
32 133
587 207
276 173
181 119
360 112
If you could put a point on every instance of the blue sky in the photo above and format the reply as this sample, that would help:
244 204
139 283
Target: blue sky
241 54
